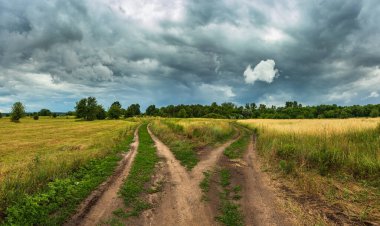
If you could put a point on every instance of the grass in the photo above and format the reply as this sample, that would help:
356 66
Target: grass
350 147
336 160
237 148
140 174
230 213
185 136
34 153
52 204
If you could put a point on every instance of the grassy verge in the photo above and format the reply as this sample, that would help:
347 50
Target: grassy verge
230 213
184 137
140 174
53 204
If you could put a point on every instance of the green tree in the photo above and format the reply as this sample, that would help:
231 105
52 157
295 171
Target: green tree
114 112
182 113
92 107
18 111
87 108
81 108
1 115
132 110
374 113
152 110
100 112
44 112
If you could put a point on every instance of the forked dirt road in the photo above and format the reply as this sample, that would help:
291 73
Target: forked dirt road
104 200
181 201
183 204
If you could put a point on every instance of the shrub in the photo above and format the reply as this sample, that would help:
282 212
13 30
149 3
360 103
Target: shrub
36 117
18 111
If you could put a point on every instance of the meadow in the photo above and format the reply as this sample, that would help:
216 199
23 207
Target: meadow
48 166
335 160
36 152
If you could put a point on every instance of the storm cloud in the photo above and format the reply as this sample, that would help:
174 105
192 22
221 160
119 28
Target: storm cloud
168 52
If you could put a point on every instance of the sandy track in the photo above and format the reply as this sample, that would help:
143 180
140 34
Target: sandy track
104 200
182 203
259 201
209 161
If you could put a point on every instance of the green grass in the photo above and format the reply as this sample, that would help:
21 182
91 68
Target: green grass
237 148
205 183
230 212
59 199
140 174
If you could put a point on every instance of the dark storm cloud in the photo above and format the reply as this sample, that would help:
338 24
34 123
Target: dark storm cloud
187 51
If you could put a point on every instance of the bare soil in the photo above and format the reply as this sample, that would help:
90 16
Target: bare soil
104 200
182 200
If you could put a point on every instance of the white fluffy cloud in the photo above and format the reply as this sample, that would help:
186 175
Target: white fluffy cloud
263 71
373 94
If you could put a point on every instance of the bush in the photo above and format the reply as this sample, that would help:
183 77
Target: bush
36 117
18 111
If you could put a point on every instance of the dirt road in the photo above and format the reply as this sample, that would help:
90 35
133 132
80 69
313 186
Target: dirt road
182 204
259 201
104 200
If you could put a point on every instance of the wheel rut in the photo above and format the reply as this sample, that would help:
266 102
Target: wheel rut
182 203
105 199
259 200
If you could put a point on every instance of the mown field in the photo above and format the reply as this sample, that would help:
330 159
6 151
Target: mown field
336 161
34 153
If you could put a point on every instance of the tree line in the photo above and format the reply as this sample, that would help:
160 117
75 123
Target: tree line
89 109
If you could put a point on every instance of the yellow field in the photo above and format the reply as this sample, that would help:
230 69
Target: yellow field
53 140
33 152
313 126
337 160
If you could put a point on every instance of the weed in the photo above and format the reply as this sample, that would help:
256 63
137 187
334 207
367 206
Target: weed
230 213
205 183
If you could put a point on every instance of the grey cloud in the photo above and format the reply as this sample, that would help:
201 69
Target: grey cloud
318 46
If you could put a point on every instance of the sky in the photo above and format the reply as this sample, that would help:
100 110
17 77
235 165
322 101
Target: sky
54 52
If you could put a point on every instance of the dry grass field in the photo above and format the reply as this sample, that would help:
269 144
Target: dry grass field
333 160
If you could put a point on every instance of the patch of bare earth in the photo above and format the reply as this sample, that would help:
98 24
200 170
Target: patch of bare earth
104 200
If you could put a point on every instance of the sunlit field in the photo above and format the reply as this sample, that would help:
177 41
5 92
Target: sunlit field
34 152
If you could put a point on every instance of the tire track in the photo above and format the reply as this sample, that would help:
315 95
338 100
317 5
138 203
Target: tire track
103 201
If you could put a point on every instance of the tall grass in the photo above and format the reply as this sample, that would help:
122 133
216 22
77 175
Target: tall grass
334 161
350 147
34 153
186 136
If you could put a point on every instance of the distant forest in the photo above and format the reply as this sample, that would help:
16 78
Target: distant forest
291 110
89 109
